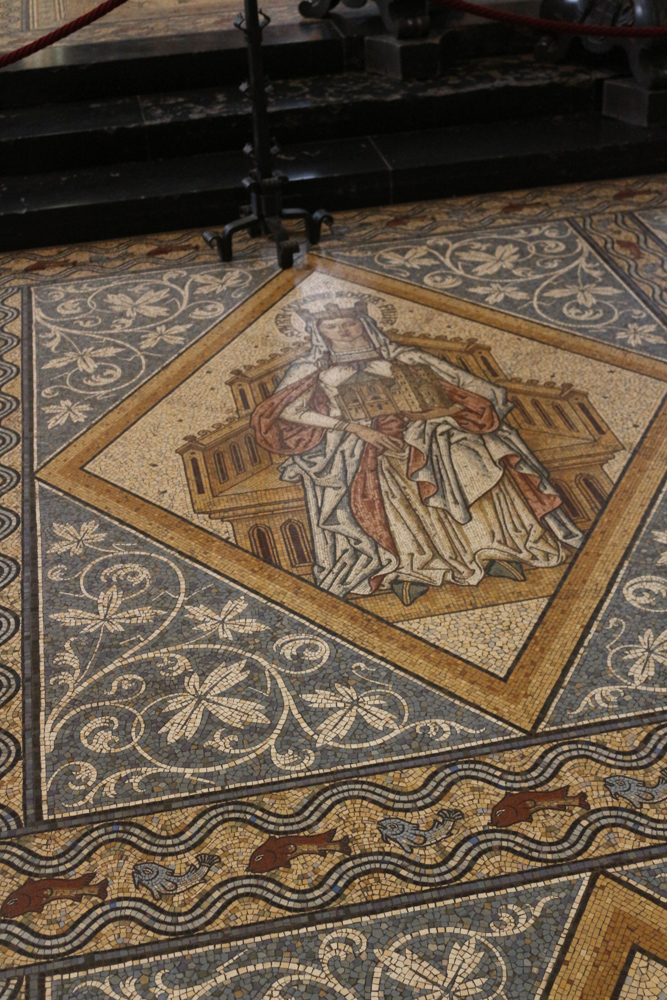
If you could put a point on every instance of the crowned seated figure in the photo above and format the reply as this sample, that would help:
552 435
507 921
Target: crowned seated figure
412 476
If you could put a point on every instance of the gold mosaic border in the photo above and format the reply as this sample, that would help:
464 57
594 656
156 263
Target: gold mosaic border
617 921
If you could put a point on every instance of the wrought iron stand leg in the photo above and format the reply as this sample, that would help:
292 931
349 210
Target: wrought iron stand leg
313 222
265 184
286 247
223 242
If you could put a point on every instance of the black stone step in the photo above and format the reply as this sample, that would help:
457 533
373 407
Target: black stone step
105 70
112 69
94 133
204 190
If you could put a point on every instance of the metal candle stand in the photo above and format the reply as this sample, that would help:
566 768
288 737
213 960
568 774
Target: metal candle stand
265 185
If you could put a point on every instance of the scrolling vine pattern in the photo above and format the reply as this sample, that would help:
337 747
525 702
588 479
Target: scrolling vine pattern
97 340
637 666
432 952
163 680
622 667
545 272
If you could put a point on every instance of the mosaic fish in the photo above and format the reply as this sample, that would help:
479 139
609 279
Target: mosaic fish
34 894
409 836
635 791
520 806
161 880
279 852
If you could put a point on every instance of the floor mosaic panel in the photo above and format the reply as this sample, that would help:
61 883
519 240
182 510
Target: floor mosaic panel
333 660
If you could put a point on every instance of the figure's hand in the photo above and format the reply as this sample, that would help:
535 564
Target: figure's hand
377 438
435 413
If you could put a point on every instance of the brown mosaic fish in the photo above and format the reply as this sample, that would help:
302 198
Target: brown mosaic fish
278 852
34 894
520 806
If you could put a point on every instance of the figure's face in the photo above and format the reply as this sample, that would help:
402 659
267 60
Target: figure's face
342 332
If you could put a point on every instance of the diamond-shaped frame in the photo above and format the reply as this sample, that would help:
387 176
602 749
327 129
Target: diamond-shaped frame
521 695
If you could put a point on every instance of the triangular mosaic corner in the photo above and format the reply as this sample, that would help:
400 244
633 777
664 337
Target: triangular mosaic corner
162 679
511 937
621 668
544 272
96 340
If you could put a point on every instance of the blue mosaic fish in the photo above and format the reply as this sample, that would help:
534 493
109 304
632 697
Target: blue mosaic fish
409 836
161 880
635 791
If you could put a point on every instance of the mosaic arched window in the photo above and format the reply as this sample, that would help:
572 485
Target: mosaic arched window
297 543
592 487
487 364
196 472
262 544
570 506
237 458
243 396
565 417
590 417
546 419
252 451
519 408
221 467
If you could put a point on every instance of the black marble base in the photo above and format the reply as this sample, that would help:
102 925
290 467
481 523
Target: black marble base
204 191
155 126
113 69
403 59
627 101
116 69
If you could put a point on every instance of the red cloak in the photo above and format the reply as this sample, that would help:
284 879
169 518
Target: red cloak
477 416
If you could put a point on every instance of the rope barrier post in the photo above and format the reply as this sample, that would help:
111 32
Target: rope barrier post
265 184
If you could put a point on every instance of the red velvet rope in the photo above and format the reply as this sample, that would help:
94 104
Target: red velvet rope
62 32
555 27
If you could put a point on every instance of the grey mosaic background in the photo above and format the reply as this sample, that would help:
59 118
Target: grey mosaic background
545 272
652 877
96 341
622 668
162 679
489 946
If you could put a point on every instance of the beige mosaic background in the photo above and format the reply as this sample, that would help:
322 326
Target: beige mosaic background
143 460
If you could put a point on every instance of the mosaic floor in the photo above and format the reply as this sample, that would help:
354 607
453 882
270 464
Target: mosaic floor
27 19
333 657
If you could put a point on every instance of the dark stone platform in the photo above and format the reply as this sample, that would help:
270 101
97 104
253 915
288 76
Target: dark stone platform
204 190
154 126
144 136
108 69
628 101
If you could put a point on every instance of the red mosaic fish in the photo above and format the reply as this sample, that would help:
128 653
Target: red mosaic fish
34 894
520 806
279 852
